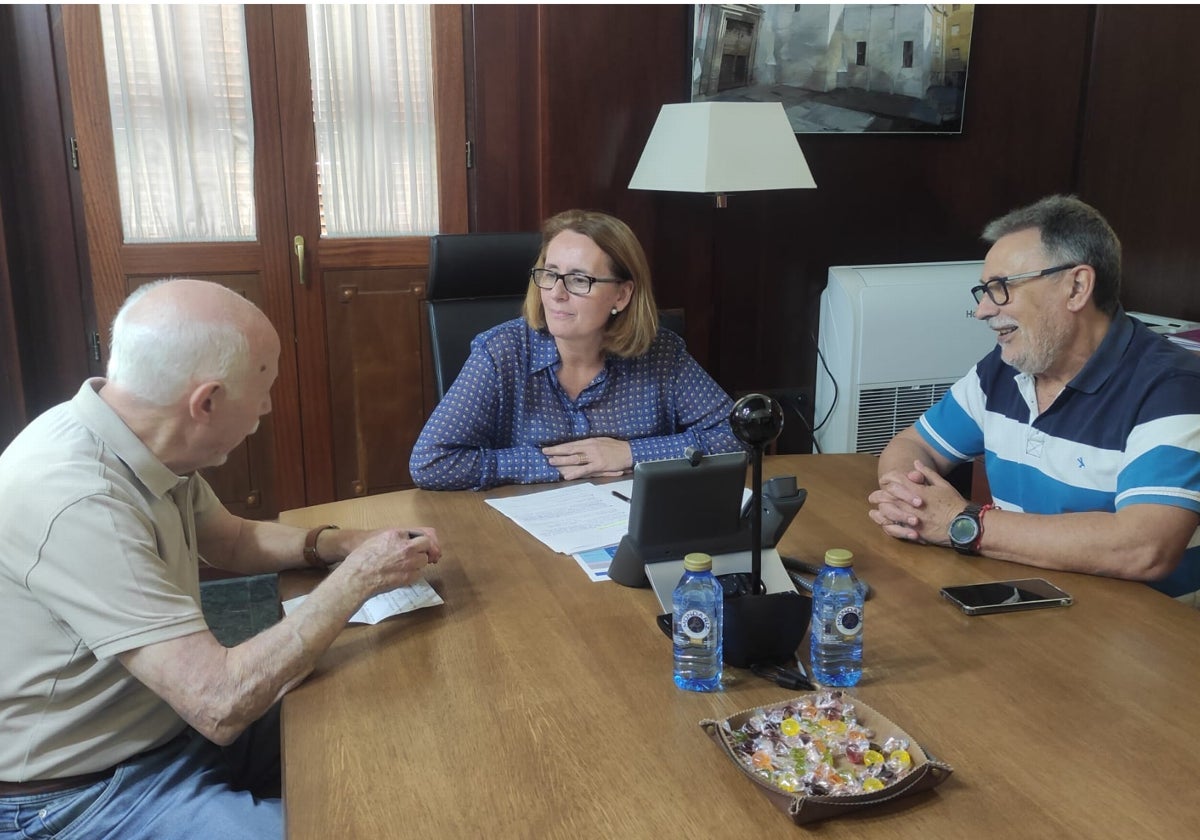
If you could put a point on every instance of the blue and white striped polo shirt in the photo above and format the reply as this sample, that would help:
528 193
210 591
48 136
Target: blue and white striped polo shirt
1126 430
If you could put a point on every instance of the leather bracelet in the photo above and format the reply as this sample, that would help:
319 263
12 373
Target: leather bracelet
311 557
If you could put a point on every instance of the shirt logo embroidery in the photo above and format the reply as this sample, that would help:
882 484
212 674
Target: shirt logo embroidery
1080 462
1035 439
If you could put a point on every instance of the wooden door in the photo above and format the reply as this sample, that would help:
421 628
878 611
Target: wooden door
306 452
365 339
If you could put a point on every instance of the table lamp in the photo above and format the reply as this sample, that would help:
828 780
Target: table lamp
722 147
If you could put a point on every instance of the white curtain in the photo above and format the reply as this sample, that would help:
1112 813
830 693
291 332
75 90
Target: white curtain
179 88
372 78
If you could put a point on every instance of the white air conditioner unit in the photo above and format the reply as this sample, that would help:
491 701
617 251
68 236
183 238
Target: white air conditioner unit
894 339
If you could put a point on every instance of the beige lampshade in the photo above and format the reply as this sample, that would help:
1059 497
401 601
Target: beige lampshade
722 147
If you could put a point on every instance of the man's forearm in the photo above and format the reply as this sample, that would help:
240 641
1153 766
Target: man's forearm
220 691
904 448
1139 542
268 665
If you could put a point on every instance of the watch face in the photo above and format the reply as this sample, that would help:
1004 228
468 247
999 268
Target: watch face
963 530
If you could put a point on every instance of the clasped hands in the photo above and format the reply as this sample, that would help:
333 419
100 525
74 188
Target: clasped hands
917 505
589 457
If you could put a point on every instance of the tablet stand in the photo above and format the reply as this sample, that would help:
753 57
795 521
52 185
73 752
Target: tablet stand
780 502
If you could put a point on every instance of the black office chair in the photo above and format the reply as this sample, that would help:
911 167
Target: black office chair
476 281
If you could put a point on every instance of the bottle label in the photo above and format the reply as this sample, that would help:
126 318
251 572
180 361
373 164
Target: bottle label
696 625
848 621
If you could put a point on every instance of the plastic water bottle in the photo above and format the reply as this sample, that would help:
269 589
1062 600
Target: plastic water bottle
837 622
698 605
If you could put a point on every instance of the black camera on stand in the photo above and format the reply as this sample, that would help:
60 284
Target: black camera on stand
694 504
764 628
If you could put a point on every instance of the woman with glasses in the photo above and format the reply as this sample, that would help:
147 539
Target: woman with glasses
586 383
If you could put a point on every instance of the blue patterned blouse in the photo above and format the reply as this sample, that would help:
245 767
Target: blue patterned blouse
506 404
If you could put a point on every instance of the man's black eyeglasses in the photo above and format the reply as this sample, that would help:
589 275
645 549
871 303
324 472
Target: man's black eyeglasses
997 287
574 282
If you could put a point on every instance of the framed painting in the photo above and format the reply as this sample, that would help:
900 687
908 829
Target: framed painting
838 67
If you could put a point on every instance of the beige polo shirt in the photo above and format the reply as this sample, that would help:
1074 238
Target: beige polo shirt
97 556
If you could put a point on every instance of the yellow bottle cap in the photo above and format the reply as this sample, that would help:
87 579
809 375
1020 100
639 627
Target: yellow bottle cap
839 557
697 562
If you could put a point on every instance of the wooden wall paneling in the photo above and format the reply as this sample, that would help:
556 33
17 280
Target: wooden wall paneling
596 116
83 270
50 303
449 83
12 390
375 346
898 198
1139 161
504 56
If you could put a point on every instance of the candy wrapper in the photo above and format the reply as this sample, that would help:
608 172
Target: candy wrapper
823 754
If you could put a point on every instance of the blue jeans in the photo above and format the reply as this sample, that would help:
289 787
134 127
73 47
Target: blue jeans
187 789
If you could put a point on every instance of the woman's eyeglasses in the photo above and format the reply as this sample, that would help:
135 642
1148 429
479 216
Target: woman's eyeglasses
573 281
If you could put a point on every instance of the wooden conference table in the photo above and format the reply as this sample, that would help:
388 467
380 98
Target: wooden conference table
538 704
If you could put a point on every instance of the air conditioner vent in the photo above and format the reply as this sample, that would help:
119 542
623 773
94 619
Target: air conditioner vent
868 387
883 412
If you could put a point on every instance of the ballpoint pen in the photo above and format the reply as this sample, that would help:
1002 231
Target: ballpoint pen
621 496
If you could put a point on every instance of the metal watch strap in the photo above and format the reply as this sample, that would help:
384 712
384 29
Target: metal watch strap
311 557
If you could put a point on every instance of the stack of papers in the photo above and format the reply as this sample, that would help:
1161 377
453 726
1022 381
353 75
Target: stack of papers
586 521
571 519
583 520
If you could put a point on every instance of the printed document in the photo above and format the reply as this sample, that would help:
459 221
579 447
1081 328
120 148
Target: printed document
571 519
386 604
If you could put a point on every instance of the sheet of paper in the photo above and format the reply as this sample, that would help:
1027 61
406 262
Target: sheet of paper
386 604
596 561
569 519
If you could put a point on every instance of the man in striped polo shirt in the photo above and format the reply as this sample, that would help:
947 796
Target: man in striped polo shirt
1088 422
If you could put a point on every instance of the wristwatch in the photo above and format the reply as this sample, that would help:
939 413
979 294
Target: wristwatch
311 557
966 529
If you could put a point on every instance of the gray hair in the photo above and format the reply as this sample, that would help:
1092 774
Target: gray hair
1071 231
160 353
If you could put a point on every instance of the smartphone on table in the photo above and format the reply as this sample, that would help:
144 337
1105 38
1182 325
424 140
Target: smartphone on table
1006 596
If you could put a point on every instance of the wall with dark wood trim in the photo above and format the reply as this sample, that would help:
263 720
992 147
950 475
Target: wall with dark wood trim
1140 150
581 86
43 253
1092 99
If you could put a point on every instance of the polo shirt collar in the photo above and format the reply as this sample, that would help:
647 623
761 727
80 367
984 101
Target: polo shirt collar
1107 358
107 425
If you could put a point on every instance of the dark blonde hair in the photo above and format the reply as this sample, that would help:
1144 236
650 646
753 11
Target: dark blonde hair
631 331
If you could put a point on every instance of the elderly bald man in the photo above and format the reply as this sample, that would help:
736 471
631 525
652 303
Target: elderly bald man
122 714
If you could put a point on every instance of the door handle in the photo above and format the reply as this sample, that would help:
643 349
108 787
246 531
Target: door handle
298 246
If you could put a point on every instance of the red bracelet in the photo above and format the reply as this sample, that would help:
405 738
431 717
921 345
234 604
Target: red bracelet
979 537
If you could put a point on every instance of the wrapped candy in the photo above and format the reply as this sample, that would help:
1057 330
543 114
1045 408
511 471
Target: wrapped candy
816 746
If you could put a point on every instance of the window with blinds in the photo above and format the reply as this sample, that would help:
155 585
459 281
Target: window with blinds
372 80
183 127
183 132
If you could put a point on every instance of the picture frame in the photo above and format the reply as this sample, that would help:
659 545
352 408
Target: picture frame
854 69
